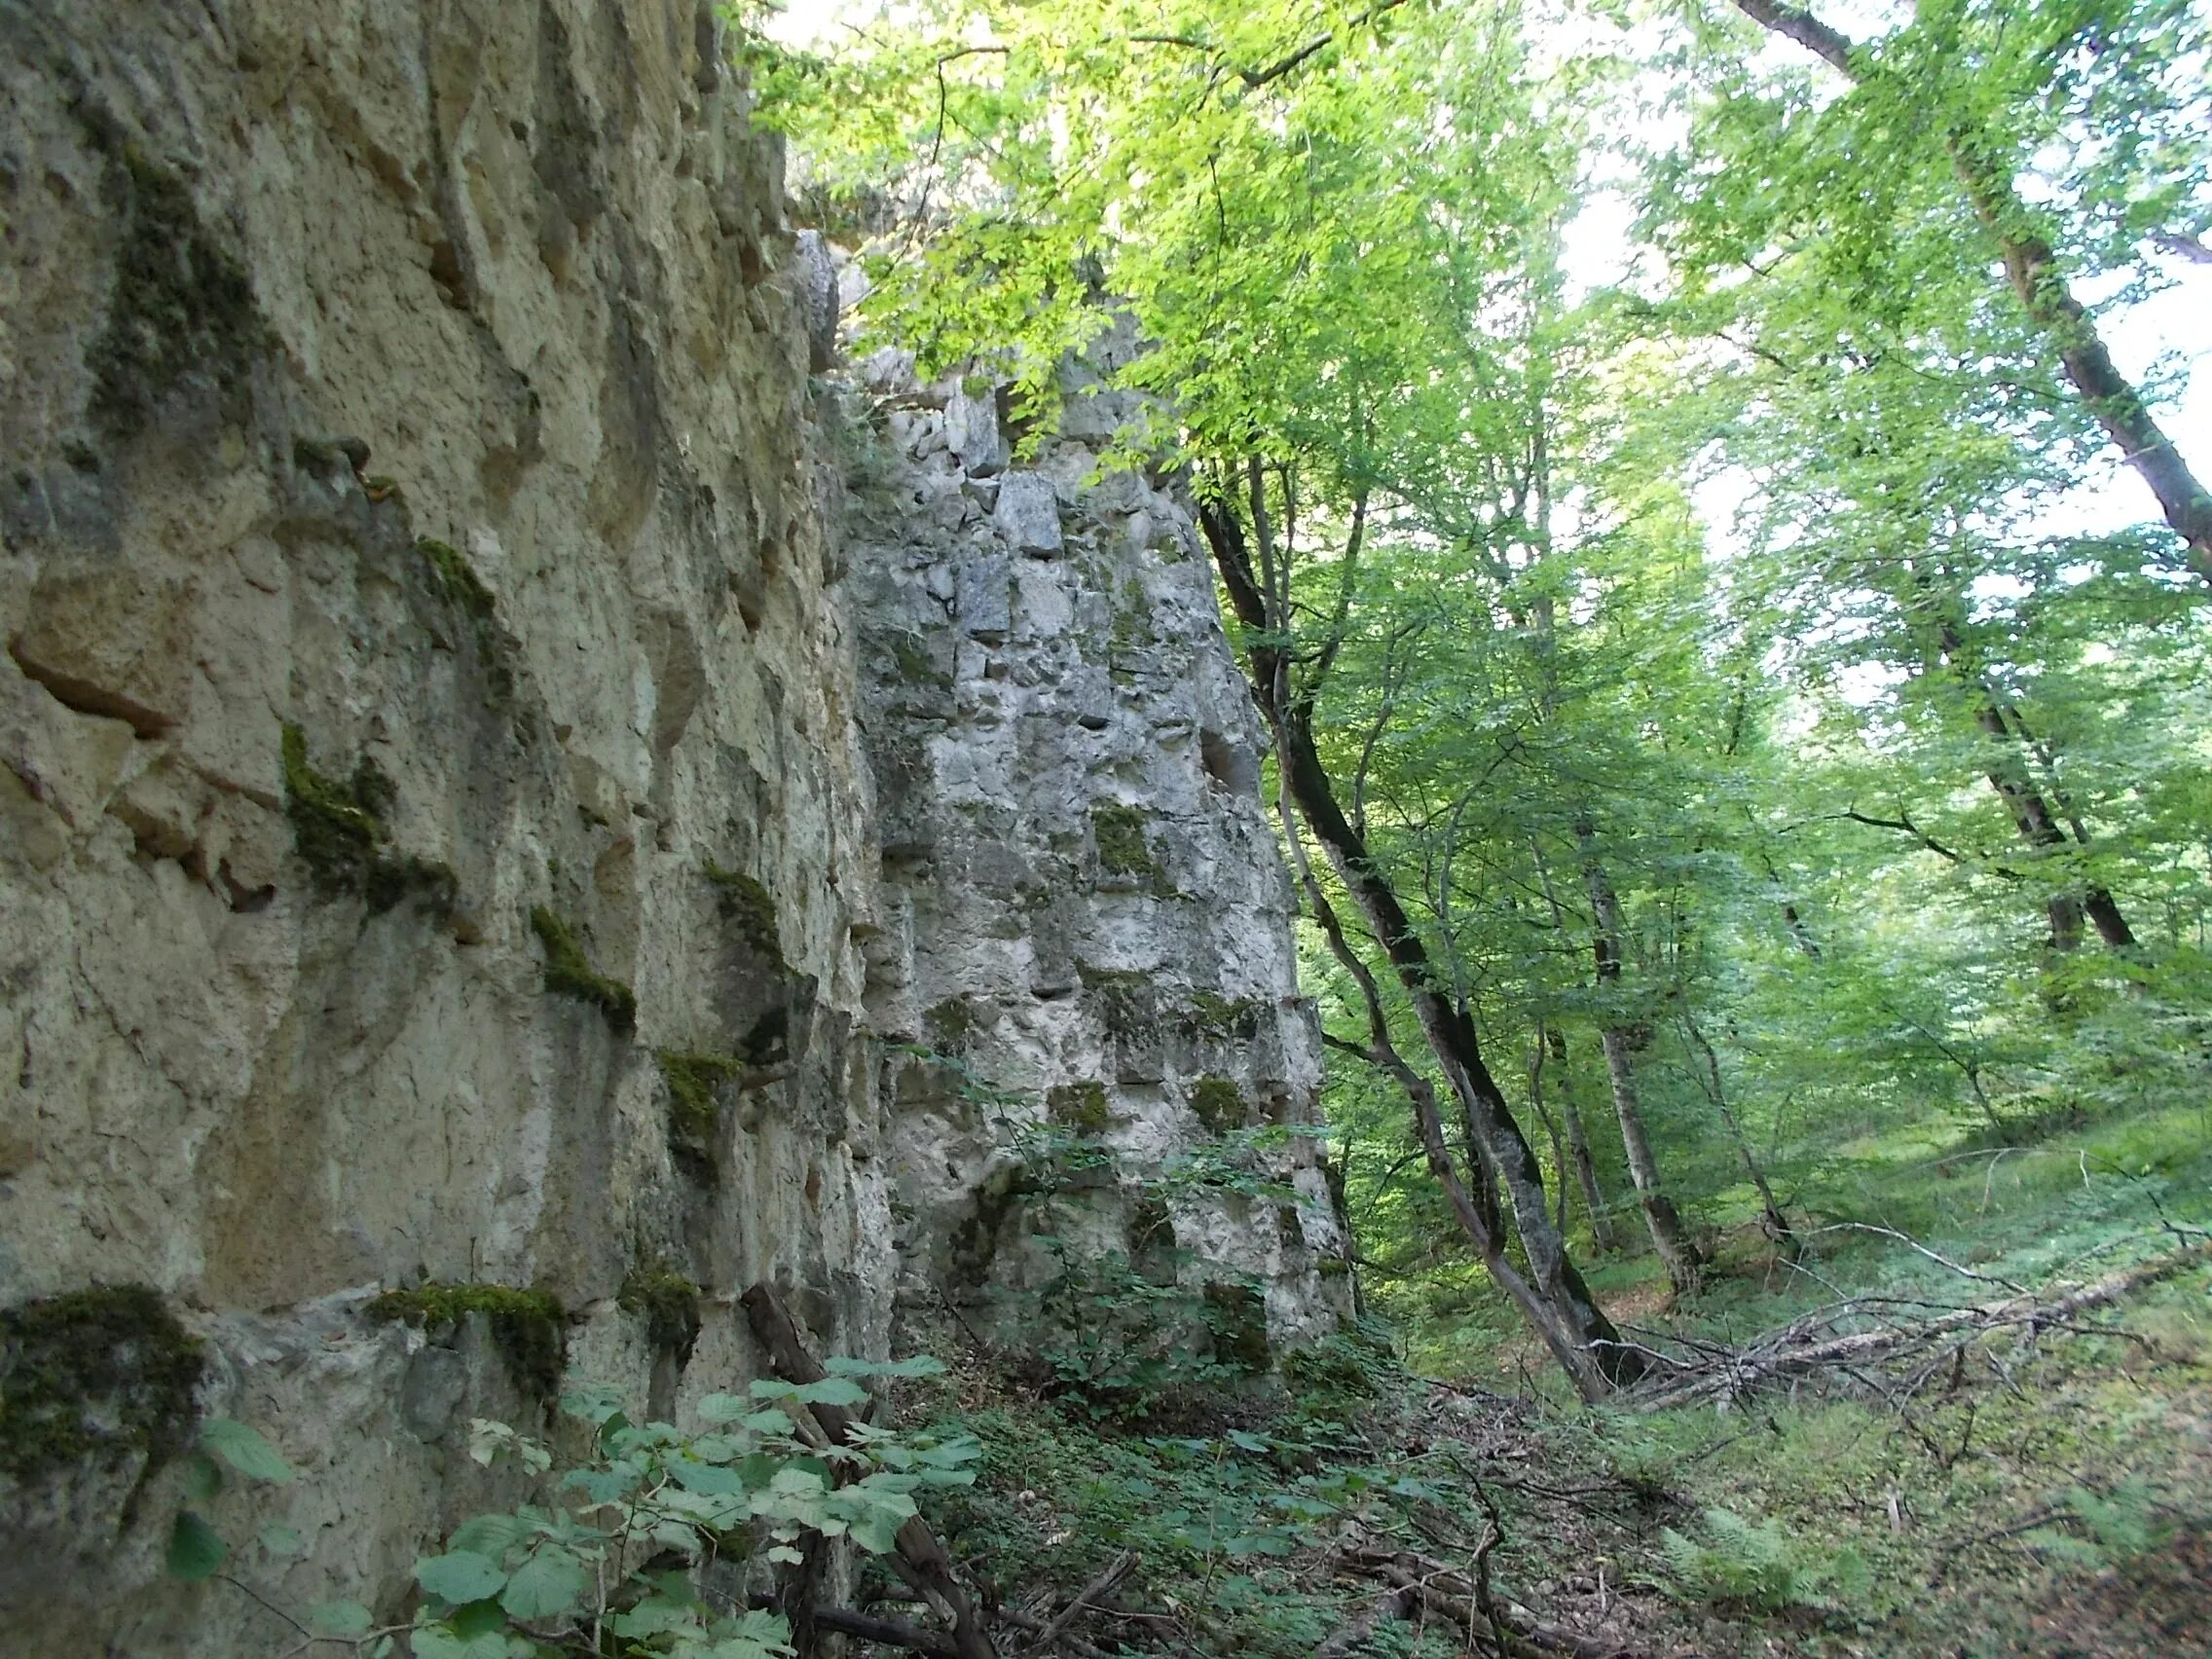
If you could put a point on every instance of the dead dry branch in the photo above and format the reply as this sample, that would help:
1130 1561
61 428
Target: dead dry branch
1891 1347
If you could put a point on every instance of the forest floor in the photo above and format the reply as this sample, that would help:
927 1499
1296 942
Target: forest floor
2042 1490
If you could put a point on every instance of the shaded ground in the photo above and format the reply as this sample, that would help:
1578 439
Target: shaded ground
2046 1495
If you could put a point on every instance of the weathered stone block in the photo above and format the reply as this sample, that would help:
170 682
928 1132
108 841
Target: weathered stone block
971 430
1028 514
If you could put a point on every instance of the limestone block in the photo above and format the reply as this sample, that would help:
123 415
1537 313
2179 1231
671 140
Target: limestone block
111 639
972 428
1028 514
815 277
986 598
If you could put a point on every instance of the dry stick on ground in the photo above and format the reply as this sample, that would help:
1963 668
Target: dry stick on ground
1450 1594
1354 1633
920 1560
1115 1570
1034 1626
1800 1349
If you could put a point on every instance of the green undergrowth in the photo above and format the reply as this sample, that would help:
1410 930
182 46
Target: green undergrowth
2045 1494
2046 1498
2084 1202
2052 1499
1227 1511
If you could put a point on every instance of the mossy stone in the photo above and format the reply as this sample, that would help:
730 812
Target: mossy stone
338 830
668 1303
570 973
1079 1107
1227 1020
181 304
103 1373
1218 1104
1119 832
1125 1001
1237 1315
950 1027
528 1326
692 1079
749 906
455 581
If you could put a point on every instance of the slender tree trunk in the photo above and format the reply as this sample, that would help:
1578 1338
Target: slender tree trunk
2032 269
2032 815
1677 1253
1261 603
1776 1223
1578 1148
1475 1207
1544 1117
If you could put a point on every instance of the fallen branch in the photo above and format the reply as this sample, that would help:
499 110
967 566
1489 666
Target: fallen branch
1452 1596
1115 1572
1812 1344
890 1633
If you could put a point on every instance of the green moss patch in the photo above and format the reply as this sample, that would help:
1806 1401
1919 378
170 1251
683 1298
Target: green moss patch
105 1373
455 581
1079 1107
950 1027
1219 1104
669 1304
747 905
1119 832
570 973
338 830
1207 1015
692 1079
528 1326
182 304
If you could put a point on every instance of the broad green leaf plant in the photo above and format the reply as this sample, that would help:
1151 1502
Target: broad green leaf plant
615 1548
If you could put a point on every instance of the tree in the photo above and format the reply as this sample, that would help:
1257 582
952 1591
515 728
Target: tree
1961 64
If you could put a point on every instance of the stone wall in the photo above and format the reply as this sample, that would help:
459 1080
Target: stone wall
1086 922
415 592
438 839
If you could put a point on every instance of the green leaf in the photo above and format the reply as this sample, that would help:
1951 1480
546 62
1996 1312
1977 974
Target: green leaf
202 1478
592 1403
459 1576
196 1549
489 1535
832 1391
724 1408
878 1534
917 1365
339 1618
546 1586
245 1450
